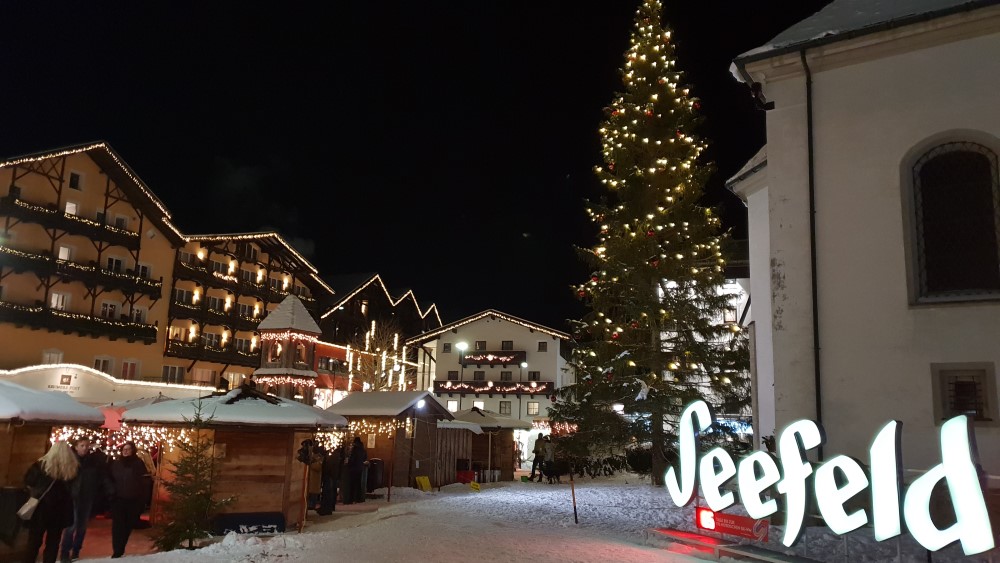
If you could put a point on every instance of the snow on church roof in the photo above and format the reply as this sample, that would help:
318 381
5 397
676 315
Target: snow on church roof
23 404
240 407
842 19
292 315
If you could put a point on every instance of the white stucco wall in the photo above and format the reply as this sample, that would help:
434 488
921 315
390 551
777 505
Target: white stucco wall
871 118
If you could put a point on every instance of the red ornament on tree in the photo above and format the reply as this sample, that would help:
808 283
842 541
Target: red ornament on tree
581 294
650 233
696 105
615 336
594 278
635 324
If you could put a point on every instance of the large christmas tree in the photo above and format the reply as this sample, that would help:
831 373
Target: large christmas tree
655 337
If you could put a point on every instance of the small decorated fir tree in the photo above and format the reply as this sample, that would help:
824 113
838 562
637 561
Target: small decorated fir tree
655 337
189 510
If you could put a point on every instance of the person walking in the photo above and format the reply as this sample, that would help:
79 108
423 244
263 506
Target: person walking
92 481
130 479
356 467
48 480
538 451
332 465
549 463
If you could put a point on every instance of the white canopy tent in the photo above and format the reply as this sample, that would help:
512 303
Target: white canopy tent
490 422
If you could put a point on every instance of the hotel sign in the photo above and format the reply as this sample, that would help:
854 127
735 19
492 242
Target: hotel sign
837 480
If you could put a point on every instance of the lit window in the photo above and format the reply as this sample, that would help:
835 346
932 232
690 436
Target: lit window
52 356
72 208
58 301
452 406
532 408
479 404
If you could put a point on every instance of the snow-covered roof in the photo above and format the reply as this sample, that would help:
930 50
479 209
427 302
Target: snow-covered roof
239 407
292 315
490 419
756 163
19 403
843 19
474 428
383 403
491 314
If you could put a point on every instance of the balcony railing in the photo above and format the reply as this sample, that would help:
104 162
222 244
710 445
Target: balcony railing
494 387
494 358
52 218
201 351
231 318
91 275
55 320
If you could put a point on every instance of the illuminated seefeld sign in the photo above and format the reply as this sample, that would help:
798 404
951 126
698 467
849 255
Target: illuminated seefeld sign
759 471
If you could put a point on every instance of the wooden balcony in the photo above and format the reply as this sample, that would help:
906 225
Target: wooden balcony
40 317
51 218
199 351
491 388
493 358
91 276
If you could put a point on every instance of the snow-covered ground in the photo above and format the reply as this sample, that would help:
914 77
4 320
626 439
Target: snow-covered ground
517 522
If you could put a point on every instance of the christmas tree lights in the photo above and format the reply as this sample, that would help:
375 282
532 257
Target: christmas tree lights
654 338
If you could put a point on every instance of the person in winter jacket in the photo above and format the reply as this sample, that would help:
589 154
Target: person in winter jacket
332 465
539 453
48 480
130 479
91 482
356 467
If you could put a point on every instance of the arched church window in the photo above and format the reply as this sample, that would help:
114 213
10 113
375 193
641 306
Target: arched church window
274 354
956 196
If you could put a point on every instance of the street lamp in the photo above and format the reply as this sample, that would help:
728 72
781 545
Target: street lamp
462 347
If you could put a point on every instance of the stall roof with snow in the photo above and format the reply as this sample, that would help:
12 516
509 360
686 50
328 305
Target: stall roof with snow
490 420
19 403
240 407
388 403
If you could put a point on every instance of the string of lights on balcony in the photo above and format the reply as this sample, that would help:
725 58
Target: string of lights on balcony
493 387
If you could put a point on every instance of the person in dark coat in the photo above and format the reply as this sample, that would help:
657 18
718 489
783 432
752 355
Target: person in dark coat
332 465
130 479
91 482
48 480
355 468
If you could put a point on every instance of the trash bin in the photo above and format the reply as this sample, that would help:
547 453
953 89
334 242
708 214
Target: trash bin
376 474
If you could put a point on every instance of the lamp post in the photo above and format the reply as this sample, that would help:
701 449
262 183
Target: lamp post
520 378
462 347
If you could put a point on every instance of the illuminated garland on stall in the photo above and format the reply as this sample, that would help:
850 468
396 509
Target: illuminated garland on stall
146 438
378 426
275 380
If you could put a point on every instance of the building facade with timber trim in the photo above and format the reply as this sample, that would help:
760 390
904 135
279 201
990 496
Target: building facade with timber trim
102 297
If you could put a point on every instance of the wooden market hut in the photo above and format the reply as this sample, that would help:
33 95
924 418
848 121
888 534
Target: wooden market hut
493 457
256 437
28 417
401 429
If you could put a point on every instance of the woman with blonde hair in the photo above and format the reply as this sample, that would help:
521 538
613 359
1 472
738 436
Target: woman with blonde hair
48 480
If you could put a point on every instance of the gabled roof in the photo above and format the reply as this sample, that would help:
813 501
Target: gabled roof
242 406
386 403
756 163
844 19
291 315
272 243
349 285
115 167
491 313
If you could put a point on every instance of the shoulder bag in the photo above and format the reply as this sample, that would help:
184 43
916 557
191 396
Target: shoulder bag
27 509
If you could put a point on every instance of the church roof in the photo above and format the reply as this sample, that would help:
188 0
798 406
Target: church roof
291 315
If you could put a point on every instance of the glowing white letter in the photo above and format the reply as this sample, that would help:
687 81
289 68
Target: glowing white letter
710 480
972 521
751 486
831 498
796 469
681 490
885 469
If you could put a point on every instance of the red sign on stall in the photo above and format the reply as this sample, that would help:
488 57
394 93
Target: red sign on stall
732 524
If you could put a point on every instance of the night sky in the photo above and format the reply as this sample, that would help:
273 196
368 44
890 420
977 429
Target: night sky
448 148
